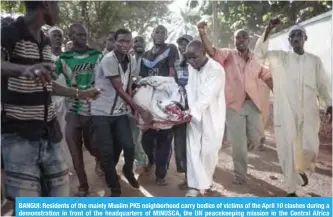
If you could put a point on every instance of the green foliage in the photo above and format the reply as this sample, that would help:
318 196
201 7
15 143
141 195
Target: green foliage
254 15
12 6
99 17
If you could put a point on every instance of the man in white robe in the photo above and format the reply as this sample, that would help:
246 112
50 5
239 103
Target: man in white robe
56 37
207 109
298 78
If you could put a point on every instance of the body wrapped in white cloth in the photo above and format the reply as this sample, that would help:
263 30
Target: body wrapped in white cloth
164 98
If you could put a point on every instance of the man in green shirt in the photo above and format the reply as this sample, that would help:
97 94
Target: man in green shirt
78 66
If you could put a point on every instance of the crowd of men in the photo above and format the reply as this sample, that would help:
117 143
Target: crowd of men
55 102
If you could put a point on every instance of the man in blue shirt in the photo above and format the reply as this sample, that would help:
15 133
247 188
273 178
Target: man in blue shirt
159 61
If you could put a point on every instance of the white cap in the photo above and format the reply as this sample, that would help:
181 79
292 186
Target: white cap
297 27
54 28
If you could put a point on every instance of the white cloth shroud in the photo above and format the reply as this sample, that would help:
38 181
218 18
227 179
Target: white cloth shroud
164 98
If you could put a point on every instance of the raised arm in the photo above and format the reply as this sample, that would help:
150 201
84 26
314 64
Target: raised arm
205 41
219 55
261 48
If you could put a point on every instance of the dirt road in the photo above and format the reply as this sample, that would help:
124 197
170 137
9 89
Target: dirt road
264 177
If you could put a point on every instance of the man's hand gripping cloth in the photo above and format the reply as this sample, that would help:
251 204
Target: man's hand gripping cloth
164 98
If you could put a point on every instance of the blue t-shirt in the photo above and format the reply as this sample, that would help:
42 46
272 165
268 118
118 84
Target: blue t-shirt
181 72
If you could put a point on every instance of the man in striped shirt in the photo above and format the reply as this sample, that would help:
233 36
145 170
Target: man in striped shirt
31 135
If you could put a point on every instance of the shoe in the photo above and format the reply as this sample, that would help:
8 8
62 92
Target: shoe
192 193
305 179
129 175
292 195
81 193
115 193
161 182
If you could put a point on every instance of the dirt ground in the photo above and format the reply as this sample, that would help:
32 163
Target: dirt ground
264 177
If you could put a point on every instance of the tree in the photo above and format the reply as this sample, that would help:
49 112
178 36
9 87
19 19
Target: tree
254 15
99 17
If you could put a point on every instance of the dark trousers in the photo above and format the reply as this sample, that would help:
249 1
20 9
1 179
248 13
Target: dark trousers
157 145
179 132
113 133
79 131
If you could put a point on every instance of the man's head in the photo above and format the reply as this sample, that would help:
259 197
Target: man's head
241 40
183 42
195 54
56 36
109 41
139 44
123 41
78 35
159 35
46 11
297 37
6 21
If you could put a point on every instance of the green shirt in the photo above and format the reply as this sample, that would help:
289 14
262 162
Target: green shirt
78 69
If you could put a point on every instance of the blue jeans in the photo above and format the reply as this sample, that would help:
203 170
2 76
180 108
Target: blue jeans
31 164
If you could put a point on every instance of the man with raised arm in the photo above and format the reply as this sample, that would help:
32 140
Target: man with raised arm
242 73
299 77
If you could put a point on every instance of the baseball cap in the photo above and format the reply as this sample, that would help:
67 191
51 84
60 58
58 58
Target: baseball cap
186 37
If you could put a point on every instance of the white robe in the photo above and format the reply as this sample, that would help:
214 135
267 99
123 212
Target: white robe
297 81
205 92
60 105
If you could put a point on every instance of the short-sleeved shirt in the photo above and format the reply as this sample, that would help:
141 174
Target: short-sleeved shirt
109 103
158 64
79 71
27 106
181 68
242 78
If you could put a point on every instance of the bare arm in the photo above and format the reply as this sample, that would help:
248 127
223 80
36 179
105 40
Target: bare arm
261 48
266 76
60 90
130 86
205 41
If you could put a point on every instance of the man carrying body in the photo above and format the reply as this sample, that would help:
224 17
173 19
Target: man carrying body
299 77
179 131
31 134
159 61
78 66
207 117
110 112
242 96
